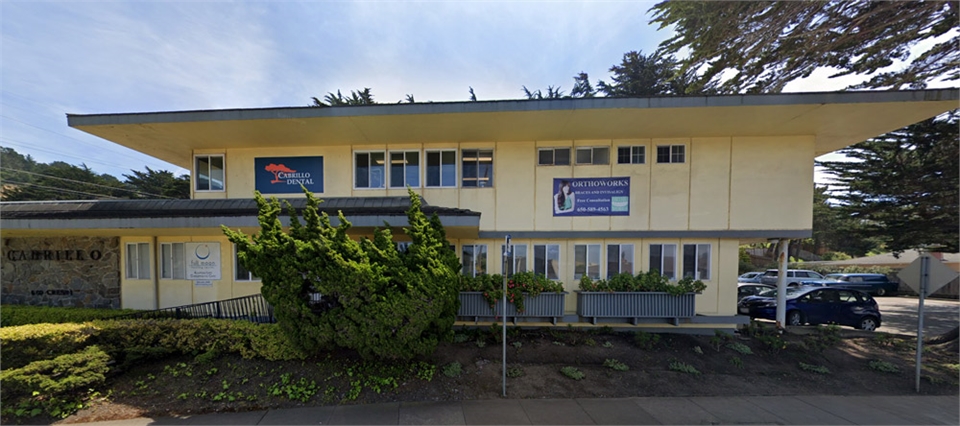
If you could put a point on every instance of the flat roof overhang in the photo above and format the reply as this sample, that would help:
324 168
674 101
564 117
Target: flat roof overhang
835 119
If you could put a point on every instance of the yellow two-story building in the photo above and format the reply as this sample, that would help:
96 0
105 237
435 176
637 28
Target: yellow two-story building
589 187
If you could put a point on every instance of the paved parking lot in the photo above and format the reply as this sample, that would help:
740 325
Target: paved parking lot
900 315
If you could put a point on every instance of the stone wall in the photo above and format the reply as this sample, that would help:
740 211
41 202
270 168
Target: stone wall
61 271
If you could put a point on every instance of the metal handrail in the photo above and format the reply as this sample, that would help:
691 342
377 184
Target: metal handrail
252 308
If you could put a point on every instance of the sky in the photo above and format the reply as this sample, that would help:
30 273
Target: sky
83 57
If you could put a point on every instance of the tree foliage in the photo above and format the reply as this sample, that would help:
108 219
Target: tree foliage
359 97
151 183
375 299
647 75
761 46
902 187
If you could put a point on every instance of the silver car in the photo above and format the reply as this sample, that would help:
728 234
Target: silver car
794 276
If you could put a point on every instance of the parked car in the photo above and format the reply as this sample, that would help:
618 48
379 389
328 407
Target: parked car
794 276
750 277
817 305
876 284
751 289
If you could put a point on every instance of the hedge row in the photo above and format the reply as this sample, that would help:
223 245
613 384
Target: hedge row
62 374
126 340
13 315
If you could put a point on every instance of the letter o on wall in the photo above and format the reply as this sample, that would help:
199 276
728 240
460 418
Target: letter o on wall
96 254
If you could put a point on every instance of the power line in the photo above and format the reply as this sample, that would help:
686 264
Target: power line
23 145
61 189
85 183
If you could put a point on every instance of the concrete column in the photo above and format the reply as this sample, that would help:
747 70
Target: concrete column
782 257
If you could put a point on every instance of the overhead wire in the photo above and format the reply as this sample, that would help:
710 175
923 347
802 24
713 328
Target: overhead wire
85 183
61 189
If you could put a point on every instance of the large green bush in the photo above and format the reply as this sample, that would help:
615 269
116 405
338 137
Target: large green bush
56 376
649 281
27 343
374 299
13 315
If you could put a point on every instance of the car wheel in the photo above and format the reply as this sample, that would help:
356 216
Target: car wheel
794 318
868 324
881 291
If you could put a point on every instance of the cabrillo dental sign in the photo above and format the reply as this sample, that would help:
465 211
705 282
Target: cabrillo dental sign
203 261
284 175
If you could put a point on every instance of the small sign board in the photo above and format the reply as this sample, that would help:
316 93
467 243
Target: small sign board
203 283
938 273
203 261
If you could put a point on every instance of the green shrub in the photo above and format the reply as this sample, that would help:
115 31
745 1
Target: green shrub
615 365
826 337
56 376
646 340
819 369
649 281
519 285
27 343
683 368
379 301
740 347
884 366
14 315
453 369
572 372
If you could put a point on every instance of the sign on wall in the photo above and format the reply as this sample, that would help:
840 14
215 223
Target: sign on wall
203 261
591 196
284 175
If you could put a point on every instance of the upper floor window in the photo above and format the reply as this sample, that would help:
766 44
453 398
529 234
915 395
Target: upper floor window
546 260
239 272
593 155
631 154
208 170
586 261
671 154
405 169
619 259
474 259
369 170
696 261
477 167
663 258
553 156
404 246
172 261
517 259
442 169
138 261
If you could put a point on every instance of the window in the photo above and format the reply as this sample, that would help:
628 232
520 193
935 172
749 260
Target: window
670 153
474 259
138 261
442 169
241 273
593 155
517 259
554 157
631 155
477 168
546 260
209 173
403 246
172 261
663 258
369 170
696 261
586 261
619 259
405 169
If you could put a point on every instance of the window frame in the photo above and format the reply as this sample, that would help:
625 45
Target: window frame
389 162
237 266
659 267
173 270
474 266
196 174
479 154
137 262
593 155
426 168
512 259
546 260
632 154
554 151
633 259
586 261
697 252
386 168
673 151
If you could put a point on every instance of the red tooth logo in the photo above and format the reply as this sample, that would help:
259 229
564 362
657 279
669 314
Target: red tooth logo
276 169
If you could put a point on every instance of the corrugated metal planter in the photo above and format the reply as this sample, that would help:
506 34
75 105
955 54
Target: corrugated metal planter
545 305
634 305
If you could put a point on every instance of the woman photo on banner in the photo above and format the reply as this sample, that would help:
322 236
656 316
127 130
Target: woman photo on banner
563 200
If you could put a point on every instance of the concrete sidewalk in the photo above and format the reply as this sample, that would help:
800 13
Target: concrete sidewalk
784 410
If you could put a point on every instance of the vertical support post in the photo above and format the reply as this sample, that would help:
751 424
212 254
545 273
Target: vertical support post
924 280
782 256
506 257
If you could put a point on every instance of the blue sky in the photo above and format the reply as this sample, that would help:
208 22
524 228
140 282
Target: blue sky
111 57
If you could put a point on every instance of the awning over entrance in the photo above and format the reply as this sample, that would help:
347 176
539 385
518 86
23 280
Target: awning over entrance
204 217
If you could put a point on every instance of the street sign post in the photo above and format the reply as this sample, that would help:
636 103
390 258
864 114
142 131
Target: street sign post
925 275
506 258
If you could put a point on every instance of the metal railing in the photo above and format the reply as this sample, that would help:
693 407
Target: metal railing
252 308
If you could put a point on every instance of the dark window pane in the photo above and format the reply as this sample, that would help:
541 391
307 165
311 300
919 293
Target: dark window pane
413 169
377 170
579 261
216 173
561 157
623 155
540 260
433 169
396 170
663 154
689 260
203 173
613 260
639 155
678 154
601 156
363 170
546 157
656 257
468 260
584 155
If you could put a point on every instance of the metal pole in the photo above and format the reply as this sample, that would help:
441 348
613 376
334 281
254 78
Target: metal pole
924 278
503 340
782 283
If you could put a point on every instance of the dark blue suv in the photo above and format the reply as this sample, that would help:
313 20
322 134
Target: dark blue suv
877 284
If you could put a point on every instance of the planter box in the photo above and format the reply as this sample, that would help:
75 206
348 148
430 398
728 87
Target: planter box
545 305
634 305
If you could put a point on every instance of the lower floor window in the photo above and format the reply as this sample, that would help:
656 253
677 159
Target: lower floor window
696 261
474 259
517 259
619 259
663 258
546 260
172 261
138 261
586 261
241 273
